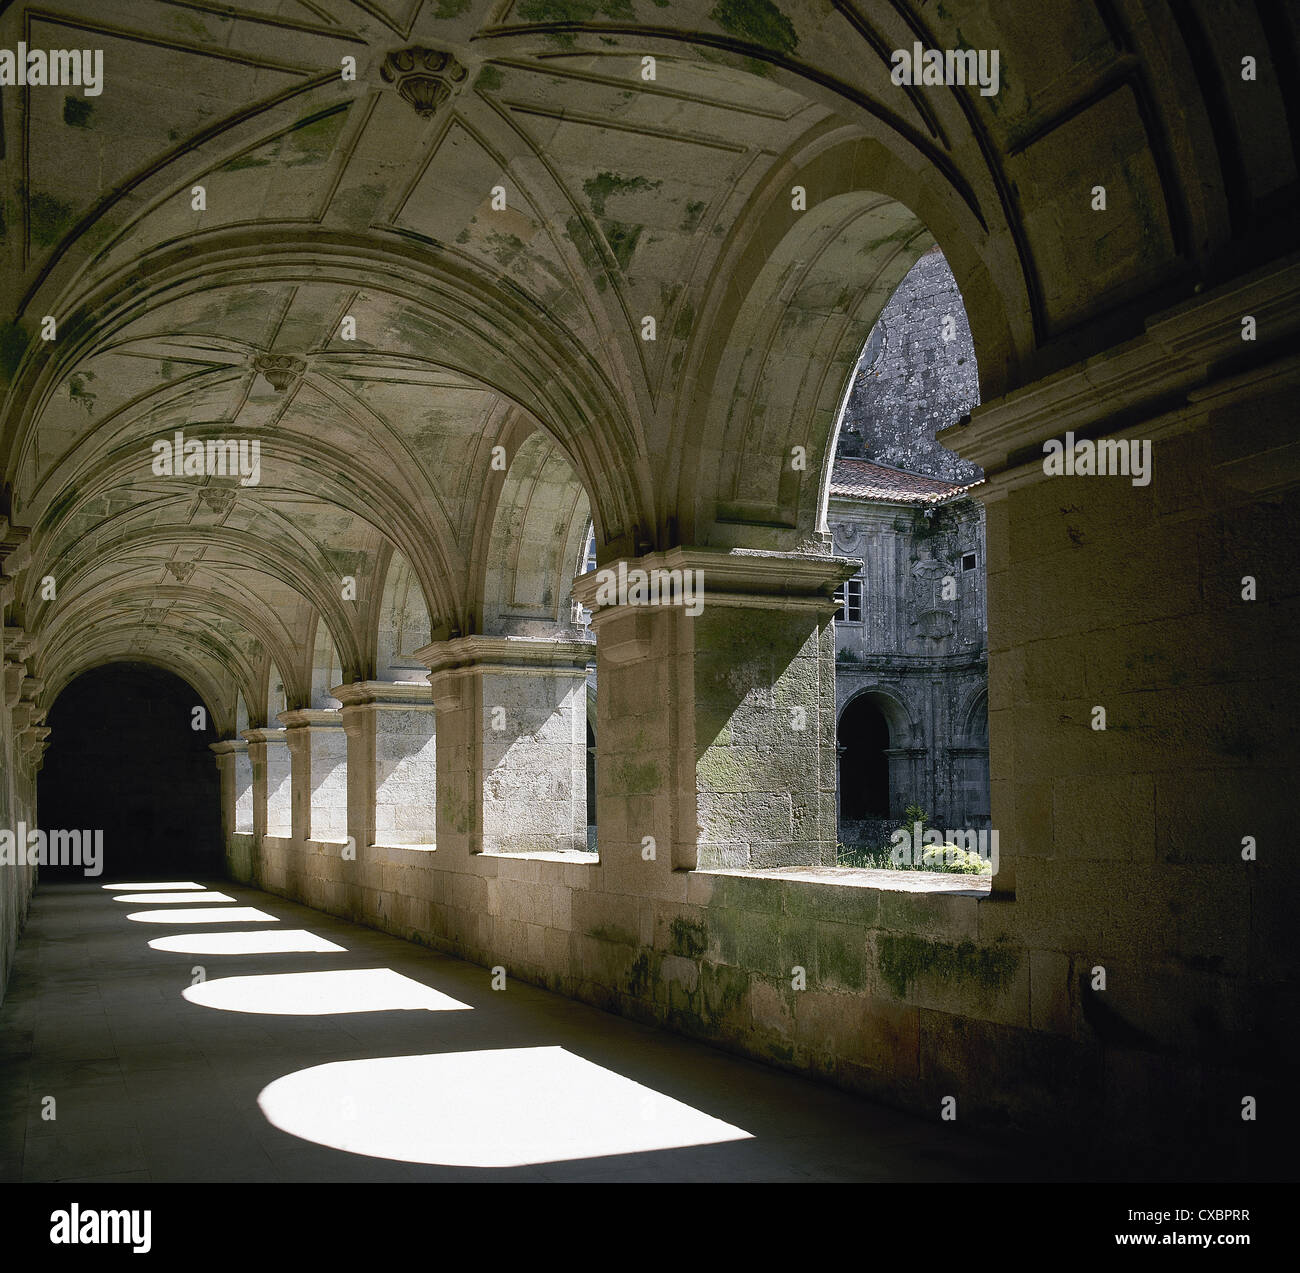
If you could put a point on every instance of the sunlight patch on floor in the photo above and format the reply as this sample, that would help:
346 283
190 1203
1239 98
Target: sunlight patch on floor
263 941
174 897
312 994
185 915
168 884
506 1107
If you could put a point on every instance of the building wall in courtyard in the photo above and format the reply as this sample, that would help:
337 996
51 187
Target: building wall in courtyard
916 645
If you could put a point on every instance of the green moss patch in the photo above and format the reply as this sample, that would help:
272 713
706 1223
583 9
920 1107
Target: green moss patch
48 218
606 184
688 939
904 959
758 22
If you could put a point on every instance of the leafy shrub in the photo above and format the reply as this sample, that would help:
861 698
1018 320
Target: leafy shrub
949 858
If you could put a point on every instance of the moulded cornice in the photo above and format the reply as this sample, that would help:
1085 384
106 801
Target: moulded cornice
737 577
517 654
311 718
264 735
1164 368
384 693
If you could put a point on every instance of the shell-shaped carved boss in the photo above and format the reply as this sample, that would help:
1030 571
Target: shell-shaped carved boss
424 77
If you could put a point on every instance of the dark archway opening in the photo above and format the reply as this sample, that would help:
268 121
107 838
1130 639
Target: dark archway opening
864 764
125 759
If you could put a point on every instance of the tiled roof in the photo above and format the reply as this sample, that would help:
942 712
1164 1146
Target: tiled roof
861 479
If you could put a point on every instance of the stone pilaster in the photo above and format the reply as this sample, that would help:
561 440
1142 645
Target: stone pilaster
224 756
392 770
319 751
234 764
272 783
716 733
512 743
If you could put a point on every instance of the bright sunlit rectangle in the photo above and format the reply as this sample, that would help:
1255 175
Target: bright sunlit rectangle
198 915
190 897
258 941
312 994
503 1107
168 884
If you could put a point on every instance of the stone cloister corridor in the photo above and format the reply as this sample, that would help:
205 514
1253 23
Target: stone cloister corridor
418 425
520 1085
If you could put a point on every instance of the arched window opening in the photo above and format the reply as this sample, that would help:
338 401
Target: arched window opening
913 616
404 624
586 564
540 528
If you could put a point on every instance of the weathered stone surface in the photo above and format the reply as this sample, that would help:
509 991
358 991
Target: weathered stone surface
465 411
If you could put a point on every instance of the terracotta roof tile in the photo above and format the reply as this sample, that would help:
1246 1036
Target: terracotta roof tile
861 479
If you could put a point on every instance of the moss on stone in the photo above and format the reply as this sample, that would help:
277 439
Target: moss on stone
694 213
841 956
637 778
758 22
13 343
639 976
604 185
904 958
722 992
685 321
612 933
622 239
48 218
56 508
901 235
313 140
77 112
572 12
577 234
254 159
455 810
718 769
489 79
80 392
504 247
687 938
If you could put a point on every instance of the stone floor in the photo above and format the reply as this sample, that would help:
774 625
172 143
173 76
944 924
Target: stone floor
316 1050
